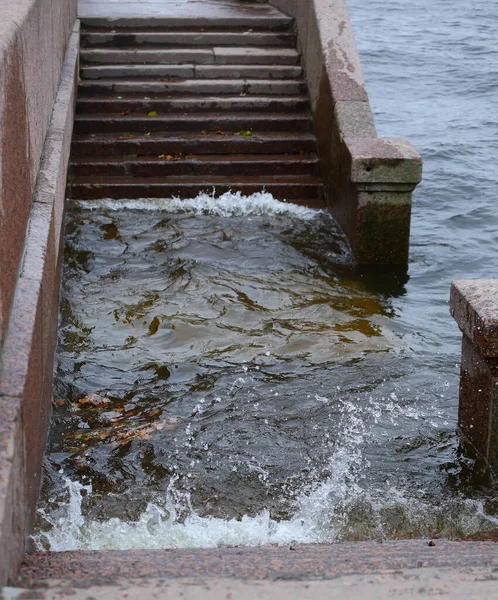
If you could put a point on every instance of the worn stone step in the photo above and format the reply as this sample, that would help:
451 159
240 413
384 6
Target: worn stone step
167 165
192 143
200 124
136 104
194 86
182 37
303 188
190 70
275 563
274 22
210 55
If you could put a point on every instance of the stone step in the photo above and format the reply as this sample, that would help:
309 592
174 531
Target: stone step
274 563
190 70
302 189
200 124
196 37
179 164
221 87
210 55
192 143
138 104
275 22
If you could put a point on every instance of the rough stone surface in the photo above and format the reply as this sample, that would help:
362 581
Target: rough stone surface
12 487
474 306
179 13
29 343
463 584
383 229
349 149
383 161
33 40
478 406
273 563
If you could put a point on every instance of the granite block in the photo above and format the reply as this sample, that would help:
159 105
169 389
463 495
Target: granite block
474 306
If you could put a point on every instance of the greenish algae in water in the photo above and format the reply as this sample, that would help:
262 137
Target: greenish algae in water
221 368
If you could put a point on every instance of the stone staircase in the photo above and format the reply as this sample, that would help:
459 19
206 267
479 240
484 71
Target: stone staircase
173 110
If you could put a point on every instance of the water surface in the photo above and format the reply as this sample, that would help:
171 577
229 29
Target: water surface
257 389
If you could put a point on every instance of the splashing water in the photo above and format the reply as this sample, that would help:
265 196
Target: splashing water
229 204
226 377
325 512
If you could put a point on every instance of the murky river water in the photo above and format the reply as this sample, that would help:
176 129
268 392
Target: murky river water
226 378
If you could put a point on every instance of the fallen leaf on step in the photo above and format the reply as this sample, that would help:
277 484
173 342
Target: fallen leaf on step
220 132
204 132
245 133
152 113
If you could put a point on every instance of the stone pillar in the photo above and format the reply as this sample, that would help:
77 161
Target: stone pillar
474 306
383 174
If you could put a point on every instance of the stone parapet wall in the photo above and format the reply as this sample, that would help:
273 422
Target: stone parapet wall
39 45
33 42
368 180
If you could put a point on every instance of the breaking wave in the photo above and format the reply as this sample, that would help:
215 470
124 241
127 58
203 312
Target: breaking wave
228 204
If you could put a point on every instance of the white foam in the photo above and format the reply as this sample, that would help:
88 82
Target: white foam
228 204
330 510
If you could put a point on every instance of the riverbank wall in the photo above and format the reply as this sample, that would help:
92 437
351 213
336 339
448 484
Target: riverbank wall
368 180
38 60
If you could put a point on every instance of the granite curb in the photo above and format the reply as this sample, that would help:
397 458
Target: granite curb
29 343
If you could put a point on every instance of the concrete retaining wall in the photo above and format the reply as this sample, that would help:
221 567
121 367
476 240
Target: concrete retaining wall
38 60
368 180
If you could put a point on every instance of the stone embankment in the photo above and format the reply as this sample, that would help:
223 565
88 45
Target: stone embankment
38 58
178 96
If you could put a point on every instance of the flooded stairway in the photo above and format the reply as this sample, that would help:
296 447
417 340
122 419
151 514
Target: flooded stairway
177 109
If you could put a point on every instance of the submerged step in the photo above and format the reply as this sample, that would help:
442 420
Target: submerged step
210 55
168 165
221 123
192 143
301 189
138 103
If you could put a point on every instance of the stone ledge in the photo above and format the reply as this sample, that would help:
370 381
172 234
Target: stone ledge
368 181
456 583
29 344
474 306
377 160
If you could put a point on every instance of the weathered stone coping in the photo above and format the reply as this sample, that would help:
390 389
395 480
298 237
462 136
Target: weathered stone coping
454 584
474 306
374 210
29 344
33 42
392 569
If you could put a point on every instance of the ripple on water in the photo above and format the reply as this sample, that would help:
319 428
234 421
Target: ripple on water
226 377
